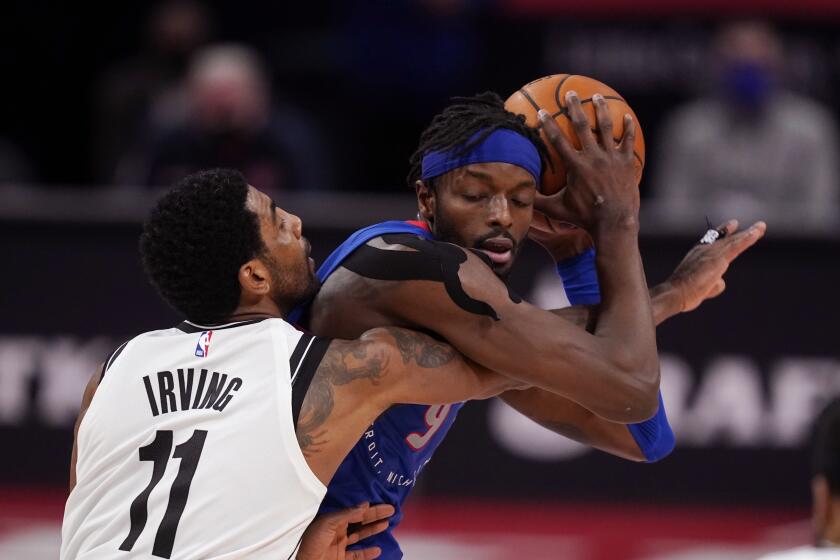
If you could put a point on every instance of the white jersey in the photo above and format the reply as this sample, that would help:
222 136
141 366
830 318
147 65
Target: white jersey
188 449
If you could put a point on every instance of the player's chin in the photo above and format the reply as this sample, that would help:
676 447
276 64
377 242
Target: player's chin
502 270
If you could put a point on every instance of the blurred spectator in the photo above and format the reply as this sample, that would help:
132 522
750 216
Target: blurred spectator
148 89
14 167
825 490
232 122
751 150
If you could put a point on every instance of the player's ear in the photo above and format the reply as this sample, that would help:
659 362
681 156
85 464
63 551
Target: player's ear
821 498
426 201
254 279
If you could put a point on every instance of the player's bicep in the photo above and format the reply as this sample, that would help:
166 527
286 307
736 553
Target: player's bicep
422 370
453 280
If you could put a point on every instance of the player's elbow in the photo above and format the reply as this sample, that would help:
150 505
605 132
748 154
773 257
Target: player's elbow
638 384
636 456
642 398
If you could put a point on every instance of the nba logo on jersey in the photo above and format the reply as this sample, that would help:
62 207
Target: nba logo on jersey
203 346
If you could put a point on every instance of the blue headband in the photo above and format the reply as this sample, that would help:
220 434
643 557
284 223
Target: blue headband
502 145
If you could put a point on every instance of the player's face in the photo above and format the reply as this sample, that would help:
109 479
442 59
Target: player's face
287 258
485 206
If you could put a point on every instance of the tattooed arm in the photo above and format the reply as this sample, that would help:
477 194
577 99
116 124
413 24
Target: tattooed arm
359 379
432 372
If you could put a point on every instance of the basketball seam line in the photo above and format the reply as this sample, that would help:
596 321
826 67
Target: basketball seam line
530 99
565 112
557 89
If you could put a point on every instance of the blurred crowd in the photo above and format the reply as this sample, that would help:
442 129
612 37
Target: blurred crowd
750 148
748 145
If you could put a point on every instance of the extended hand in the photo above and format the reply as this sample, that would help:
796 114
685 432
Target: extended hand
327 537
700 274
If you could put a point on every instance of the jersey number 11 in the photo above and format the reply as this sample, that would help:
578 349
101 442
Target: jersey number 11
158 452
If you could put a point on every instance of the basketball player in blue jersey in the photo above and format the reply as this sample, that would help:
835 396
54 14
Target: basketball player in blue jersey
475 174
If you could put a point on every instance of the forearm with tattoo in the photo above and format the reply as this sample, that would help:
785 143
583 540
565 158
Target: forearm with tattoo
344 362
426 352
363 359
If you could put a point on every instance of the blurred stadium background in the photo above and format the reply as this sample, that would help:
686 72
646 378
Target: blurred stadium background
323 102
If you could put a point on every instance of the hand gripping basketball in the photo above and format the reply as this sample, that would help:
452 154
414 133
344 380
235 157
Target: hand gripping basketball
549 93
602 186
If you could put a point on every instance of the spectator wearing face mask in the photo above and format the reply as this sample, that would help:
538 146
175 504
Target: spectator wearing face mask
232 121
750 149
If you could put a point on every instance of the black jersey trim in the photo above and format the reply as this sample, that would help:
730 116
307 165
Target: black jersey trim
303 344
190 328
111 359
310 359
297 548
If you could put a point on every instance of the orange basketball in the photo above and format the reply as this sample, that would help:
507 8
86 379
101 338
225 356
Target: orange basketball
549 93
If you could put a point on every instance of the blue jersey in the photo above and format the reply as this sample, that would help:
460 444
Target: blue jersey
383 466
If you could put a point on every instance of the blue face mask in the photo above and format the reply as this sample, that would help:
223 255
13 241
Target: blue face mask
748 83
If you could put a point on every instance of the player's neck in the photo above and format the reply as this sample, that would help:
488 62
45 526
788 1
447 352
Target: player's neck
265 308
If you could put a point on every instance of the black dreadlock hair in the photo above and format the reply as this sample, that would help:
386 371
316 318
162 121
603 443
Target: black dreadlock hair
453 127
195 240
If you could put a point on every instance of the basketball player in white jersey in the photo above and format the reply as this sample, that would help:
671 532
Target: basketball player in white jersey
825 491
216 438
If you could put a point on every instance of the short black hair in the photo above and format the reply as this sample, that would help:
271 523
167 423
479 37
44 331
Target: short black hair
453 127
825 446
195 240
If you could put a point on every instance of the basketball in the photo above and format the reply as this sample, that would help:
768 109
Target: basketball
549 93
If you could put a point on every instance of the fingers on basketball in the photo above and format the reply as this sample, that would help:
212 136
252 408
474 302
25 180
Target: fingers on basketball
553 136
549 93
605 122
581 122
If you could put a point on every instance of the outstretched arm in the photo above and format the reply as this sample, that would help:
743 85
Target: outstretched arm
698 277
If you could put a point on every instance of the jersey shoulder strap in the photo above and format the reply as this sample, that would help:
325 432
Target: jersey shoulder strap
303 363
364 235
112 358
357 239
